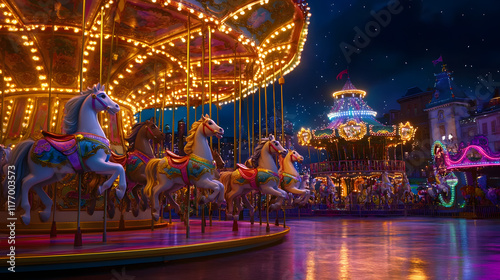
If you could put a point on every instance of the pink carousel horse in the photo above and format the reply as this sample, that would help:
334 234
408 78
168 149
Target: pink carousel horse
173 172
262 176
290 179
84 148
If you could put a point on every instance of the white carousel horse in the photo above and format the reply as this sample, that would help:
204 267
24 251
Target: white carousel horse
173 172
290 179
383 188
403 190
262 177
84 148
327 191
308 184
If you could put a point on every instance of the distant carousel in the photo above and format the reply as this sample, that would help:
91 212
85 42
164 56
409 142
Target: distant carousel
364 157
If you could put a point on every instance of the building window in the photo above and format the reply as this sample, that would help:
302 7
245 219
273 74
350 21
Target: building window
415 110
485 128
440 115
497 146
494 127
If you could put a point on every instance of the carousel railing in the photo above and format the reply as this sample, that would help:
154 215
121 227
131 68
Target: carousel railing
358 166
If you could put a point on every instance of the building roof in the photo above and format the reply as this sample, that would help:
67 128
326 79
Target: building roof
446 91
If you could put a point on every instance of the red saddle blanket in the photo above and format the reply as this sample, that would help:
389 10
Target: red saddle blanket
120 159
249 174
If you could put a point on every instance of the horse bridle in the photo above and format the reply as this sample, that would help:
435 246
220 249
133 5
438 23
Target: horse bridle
94 98
209 128
271 145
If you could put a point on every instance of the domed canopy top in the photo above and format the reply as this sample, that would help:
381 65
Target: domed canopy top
349 88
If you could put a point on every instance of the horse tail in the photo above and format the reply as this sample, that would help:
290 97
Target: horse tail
19 159
225 179
151 171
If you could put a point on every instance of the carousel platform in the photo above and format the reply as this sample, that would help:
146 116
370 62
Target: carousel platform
37 252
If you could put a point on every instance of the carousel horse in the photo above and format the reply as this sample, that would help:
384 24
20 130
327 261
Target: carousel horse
308 184
262 176
403 190
135 160
382 189
173 172
84 148
327 192
290 179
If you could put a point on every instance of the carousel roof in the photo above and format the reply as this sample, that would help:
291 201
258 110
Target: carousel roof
146 63
349 105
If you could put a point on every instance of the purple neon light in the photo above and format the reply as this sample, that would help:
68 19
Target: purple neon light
458 163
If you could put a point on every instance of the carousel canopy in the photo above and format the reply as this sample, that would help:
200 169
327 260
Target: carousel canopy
145 47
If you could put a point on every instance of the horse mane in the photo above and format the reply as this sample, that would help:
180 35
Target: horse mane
253 161
73 106
281 160
188 149
133 134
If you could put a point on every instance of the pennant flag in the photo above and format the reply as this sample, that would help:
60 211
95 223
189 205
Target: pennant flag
339 76
435 62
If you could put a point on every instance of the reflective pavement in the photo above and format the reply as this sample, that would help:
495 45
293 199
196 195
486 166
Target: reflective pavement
342 248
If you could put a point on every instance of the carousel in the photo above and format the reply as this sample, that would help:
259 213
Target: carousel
77 79
363 155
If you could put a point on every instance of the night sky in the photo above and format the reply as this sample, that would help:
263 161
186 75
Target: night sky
464 32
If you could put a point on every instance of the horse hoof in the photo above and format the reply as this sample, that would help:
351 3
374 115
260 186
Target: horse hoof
44 215
120 193
25 219
135 212
155 216
111 211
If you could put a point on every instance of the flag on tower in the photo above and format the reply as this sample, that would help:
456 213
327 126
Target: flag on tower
440 59
339 76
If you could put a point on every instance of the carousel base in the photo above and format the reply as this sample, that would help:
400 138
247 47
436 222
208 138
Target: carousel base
35 252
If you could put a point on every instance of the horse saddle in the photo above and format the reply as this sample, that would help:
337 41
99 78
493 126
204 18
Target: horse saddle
176 160
249 174
64 143
120 159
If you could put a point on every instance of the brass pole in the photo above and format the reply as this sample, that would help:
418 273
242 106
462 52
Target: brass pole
253 117
203 70
187 112
281 82
234 109
260 118
239 114
210 73
265 108
210 91
101 49
248 124
78 234
173 127
274 104
51 57
217 111
2 81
